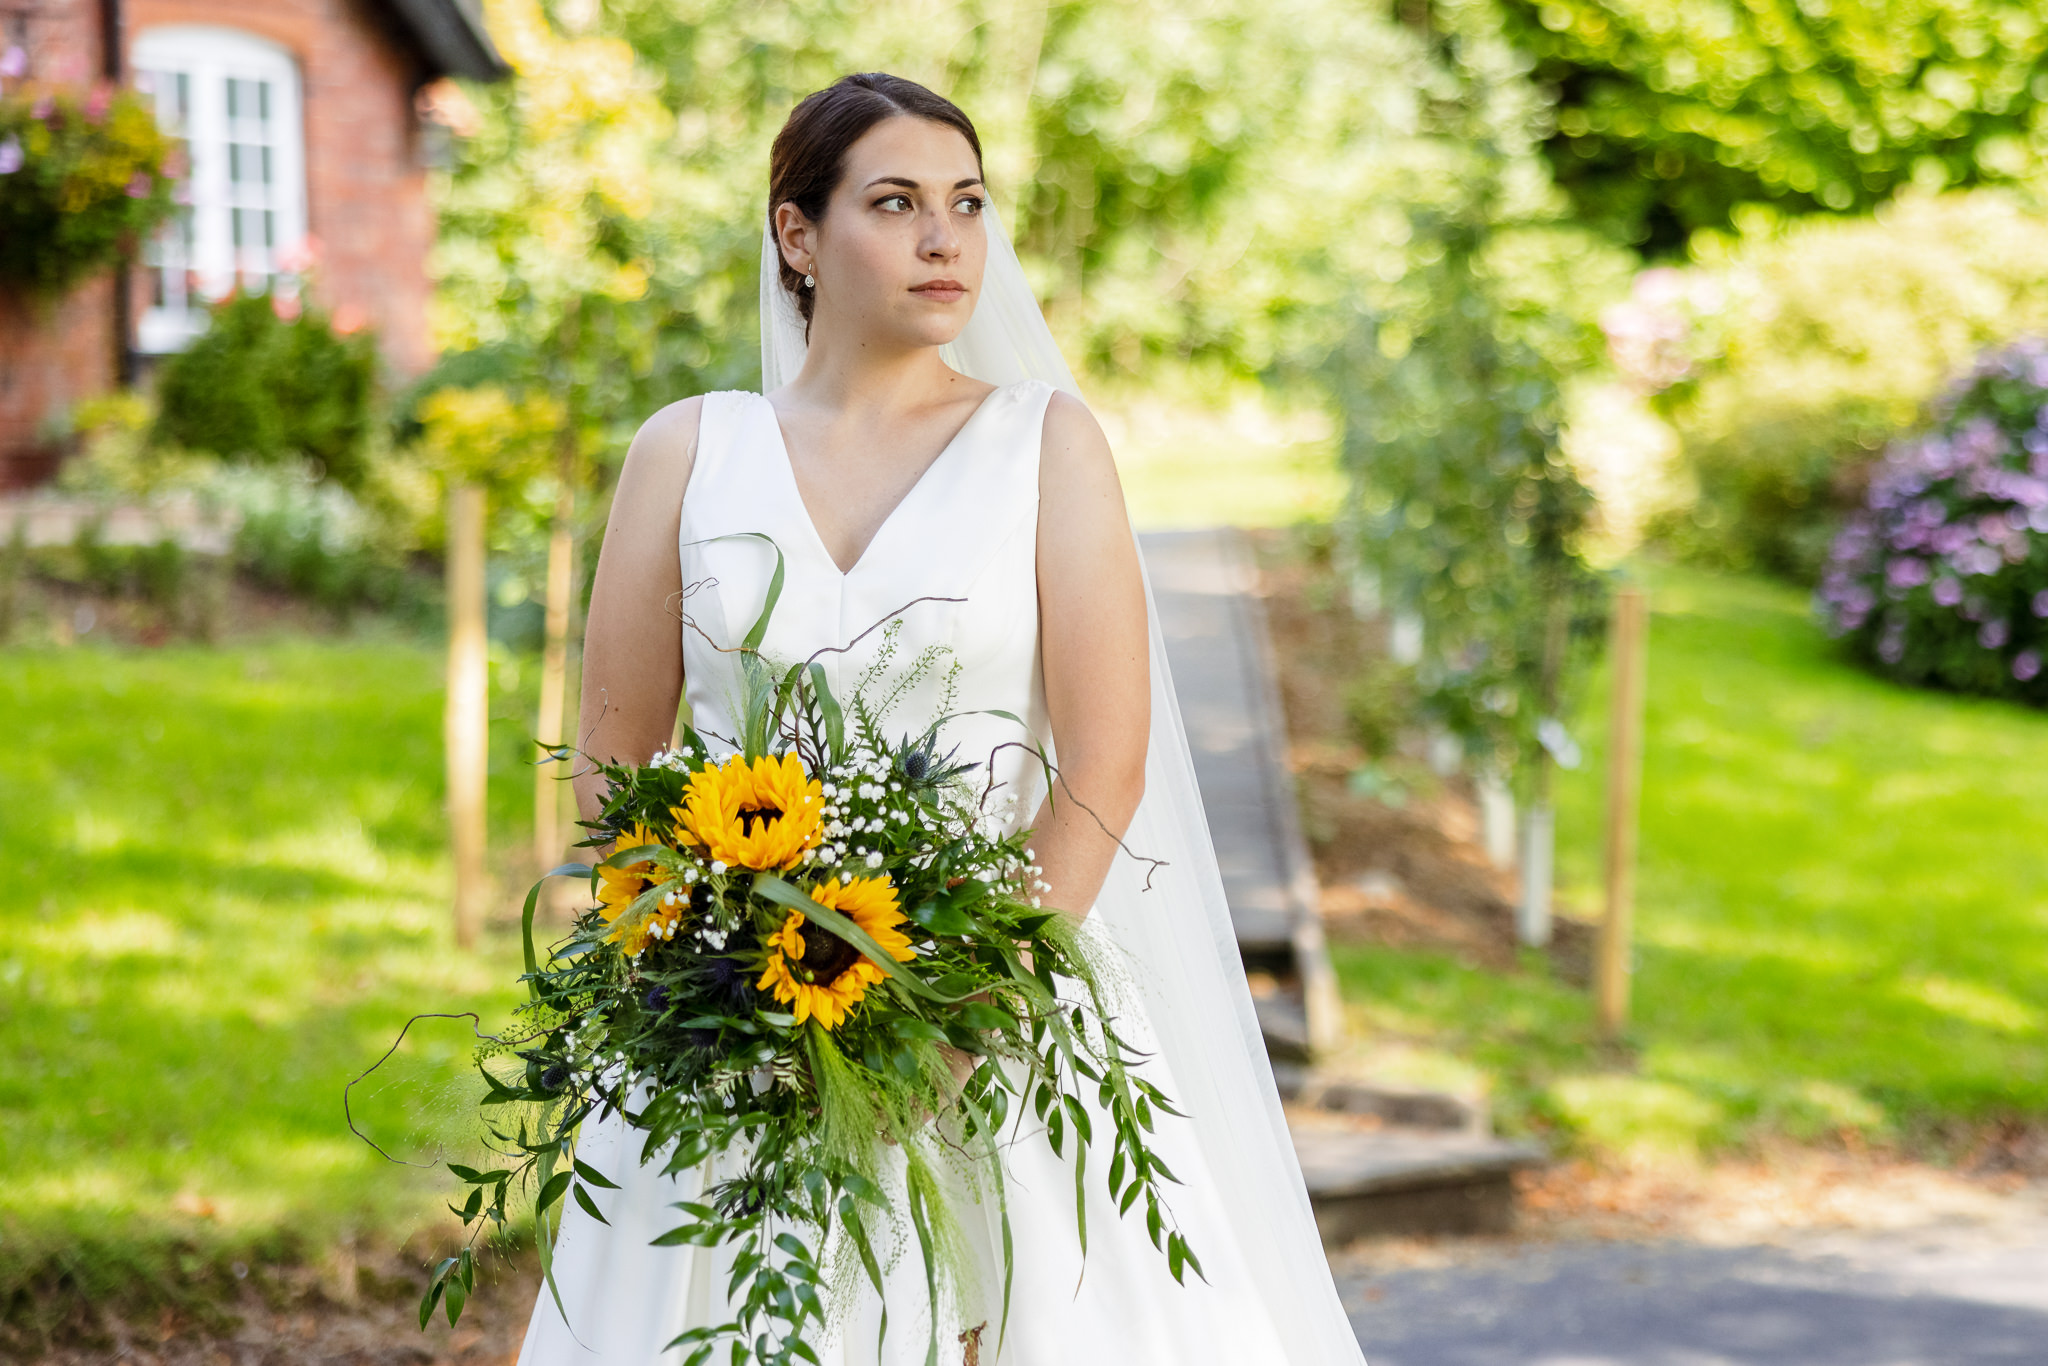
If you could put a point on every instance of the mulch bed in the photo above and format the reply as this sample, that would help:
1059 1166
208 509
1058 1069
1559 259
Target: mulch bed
1410 875
349 1312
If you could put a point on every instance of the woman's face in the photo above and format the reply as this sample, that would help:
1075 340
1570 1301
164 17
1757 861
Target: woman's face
899 254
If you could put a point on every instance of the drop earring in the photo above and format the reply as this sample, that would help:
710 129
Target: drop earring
810 280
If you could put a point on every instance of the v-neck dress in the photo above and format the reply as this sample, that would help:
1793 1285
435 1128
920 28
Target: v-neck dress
940 616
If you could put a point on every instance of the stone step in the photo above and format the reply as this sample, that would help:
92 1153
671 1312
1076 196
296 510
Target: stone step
1387 1182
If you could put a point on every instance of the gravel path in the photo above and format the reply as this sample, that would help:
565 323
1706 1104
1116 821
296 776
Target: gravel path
1954 1295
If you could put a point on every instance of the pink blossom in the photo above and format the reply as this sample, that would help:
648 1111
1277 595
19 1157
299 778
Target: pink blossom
13 63
1994 633
11 156
1906 571
96 103
2026 665
141 185
1948 592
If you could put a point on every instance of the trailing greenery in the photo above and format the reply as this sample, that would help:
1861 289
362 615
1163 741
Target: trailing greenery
84 176
787 944
1673 118
260 385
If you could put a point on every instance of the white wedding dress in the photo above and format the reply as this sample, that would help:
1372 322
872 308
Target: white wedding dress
966 531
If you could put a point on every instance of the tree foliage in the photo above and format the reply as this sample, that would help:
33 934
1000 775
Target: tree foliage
1671 117
1465 510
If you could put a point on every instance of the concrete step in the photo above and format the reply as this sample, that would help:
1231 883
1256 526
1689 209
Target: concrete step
1377 1182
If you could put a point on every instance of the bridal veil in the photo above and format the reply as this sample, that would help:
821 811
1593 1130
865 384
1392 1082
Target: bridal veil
1172 922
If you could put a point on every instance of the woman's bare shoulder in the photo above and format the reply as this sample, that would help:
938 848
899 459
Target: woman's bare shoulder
1074 454
663 450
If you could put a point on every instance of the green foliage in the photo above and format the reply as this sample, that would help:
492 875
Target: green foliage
1838 897
83 177
1675 117
1830 337
258 385
1463 508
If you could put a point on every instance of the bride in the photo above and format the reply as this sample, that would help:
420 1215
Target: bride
920 456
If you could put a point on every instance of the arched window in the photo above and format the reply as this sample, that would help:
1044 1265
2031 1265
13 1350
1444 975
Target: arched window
234 99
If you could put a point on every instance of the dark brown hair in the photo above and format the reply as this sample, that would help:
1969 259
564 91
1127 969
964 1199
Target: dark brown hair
809 156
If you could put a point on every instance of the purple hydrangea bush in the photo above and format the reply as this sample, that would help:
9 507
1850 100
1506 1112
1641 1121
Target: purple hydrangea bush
1942 577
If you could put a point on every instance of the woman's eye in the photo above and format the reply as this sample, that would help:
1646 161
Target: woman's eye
970 204
895 203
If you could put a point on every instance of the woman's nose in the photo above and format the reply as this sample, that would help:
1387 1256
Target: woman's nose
941 239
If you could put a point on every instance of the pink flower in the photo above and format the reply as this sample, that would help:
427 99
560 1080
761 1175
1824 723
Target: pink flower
1948 592
285 306
11 156
41 110
141 185
13 63
96 103
1993 634
2026 665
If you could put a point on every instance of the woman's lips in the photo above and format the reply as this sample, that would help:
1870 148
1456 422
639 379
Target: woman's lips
941 291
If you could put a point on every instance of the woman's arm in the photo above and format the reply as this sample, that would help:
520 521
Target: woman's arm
1095 650
632 658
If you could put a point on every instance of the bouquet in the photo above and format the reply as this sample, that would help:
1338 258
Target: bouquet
794 953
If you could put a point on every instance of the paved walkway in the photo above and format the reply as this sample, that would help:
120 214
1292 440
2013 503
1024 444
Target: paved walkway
1954 1296
1217 646
1203 584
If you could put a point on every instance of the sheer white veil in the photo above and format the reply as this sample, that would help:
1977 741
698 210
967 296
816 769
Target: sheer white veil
1177 932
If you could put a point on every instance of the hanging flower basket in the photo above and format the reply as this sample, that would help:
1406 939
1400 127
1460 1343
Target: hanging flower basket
84 175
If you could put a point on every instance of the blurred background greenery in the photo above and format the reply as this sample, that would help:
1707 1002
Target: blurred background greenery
1507 302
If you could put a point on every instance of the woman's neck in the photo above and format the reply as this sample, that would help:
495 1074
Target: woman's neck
859 378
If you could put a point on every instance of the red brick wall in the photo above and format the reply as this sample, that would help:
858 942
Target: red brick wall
365 191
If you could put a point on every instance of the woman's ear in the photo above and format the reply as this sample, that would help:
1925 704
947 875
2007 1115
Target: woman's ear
797 236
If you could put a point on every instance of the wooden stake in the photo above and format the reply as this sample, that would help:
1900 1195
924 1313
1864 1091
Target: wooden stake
549 722
1624 792
467 733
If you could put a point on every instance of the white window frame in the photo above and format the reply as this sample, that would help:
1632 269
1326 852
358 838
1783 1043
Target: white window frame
195 257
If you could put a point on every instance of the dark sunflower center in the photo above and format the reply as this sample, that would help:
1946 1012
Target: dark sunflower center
749 815
826 955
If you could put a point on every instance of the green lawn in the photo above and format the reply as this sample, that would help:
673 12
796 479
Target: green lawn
1843 905
227 889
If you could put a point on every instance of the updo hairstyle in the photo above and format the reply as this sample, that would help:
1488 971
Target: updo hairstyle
809 156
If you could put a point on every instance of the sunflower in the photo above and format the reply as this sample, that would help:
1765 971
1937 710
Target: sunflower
820 974
619 888
762 815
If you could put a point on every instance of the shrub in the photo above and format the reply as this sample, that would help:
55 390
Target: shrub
1834 335
304 536
82 177
1942 578
257 385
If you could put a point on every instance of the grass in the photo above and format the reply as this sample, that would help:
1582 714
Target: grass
227 889
1842 906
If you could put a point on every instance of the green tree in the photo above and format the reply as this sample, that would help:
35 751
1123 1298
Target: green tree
1671 117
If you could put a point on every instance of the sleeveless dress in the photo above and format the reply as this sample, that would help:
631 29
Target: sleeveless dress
966 531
